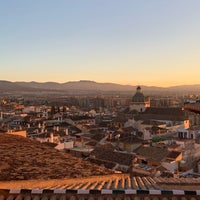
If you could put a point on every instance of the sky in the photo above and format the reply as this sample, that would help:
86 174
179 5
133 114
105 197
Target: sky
146 42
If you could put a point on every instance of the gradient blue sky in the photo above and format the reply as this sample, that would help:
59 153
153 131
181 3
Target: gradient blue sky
152 42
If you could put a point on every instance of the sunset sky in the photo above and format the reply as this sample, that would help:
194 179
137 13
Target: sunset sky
149 42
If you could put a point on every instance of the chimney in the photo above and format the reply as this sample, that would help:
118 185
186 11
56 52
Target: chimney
176 173
51 137
1 115
67 131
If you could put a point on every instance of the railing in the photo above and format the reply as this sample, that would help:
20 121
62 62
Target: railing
129 194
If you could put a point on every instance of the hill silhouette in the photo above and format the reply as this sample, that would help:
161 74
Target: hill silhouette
89 86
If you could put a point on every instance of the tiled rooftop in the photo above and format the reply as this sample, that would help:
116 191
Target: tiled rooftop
22 158
173 154
153 153
166 111
119 186
19 154
174 114
107 152
109 182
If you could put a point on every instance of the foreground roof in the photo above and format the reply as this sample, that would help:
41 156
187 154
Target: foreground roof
22 158
108 182
105 187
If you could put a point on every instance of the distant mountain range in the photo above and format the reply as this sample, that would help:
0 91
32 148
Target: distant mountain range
88 86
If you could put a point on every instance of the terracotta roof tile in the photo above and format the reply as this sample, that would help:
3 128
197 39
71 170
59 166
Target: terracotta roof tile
173 154
24 158
112 184
107 153
153 153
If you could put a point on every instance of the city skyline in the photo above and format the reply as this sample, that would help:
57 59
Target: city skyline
126 42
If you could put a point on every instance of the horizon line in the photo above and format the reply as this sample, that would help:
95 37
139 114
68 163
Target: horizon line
82 80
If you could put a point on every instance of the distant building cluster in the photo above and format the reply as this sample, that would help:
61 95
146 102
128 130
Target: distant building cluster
139 135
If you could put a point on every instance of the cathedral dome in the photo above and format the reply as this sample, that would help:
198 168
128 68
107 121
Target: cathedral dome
139 96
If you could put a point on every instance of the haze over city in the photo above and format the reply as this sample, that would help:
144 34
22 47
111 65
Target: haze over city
128 42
